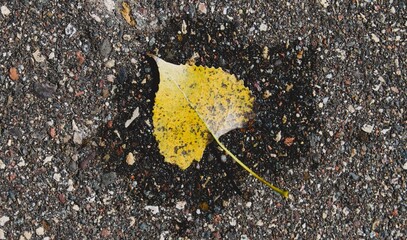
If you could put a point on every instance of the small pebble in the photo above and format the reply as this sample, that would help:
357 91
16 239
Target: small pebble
110 5
265 53
96 17
4 220
38 57
48 159
180 205
105 233
105 48
2 165
184 27
367 128
153 209
263 27
130 159
266 94
5 11
13 73
110 78
354 176
27 235
136 114
375 38
110 63
202 8
122 76
70 30
324 3
57 177
62 198
351 109
78 138
52 132
40 231
244 237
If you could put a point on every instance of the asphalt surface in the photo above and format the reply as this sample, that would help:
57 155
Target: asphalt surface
330 87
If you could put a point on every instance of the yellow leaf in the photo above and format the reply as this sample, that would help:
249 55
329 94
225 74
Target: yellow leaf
193 106
193 102
126 13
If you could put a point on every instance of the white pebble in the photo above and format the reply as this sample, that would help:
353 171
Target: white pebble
345 211
259 223
4 220
110 78
2 235
2 165
76 207
110 63
48 159
384 131
375 38
324 3
405 166
184 27
5 11
202 8
135 115
27 235
153 209
51 55
278 137
351 109
249 204
263 27
320 105
38 57
367 128
180 205
126 37
70 186
40 231
110 5
96 17
78 138
57 177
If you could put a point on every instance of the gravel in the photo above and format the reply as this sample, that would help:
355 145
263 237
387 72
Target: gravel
330 86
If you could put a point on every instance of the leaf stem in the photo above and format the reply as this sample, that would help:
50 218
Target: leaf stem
283 193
